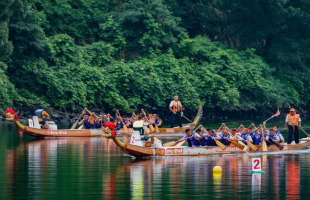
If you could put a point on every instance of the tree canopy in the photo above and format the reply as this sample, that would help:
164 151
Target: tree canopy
131 54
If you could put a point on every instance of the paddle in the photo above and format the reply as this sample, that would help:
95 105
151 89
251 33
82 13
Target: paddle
235 142
304 131
124 125
264 145
169 144
275 115
180 144
218 143
77 121
187 119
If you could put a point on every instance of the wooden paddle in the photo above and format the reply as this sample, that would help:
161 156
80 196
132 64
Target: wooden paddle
187 119
236 143
304 131
81 127
180 144
252 146
173 143
169 144
77 121
264 144
156 129
218 143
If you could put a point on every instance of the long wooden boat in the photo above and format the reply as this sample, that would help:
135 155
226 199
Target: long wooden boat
142 151
42 133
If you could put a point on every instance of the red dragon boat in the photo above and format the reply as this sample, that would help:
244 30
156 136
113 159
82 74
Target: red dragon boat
136 147
42 133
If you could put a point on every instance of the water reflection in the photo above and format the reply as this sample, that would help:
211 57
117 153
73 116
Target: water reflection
95 167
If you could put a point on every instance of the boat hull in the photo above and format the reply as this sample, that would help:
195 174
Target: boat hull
41 133
139 151
161 130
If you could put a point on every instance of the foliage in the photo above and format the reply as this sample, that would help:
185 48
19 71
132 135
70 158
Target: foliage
133 54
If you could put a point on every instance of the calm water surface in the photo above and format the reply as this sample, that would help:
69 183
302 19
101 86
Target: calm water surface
95 168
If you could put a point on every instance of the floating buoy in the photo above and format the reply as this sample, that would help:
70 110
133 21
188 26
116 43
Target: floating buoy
217 169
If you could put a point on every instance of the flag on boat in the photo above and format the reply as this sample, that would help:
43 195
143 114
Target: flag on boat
277 113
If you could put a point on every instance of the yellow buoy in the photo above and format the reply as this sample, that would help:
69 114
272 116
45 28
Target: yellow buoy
217 169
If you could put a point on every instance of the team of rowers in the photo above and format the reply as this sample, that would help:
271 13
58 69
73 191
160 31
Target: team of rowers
256 135
92 121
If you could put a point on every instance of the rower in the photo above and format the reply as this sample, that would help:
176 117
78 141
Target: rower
190 137
158 121
176 111
250 131
85 121
257 137
104 120
278 133
245 137
210 137
43 116
98 124
293 121
225 139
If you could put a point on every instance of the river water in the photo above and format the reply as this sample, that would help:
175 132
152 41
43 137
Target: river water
95 168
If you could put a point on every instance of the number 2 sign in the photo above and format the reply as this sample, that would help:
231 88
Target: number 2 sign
256 164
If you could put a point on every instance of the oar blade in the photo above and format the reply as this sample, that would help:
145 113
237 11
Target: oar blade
180 144
156 129
220 144
264 146
169 144
126 131
252 146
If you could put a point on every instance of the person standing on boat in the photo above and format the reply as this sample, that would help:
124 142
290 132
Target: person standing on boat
42 115
294 122
176 112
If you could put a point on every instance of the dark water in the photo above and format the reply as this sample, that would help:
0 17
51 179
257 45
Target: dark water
94 168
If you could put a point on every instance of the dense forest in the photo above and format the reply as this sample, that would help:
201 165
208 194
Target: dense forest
236 55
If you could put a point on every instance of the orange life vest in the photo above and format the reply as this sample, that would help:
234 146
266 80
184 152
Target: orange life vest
176 106
92 120
293 119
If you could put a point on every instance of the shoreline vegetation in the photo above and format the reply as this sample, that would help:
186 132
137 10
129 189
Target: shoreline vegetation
237 59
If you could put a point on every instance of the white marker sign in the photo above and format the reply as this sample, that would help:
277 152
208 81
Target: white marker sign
256 164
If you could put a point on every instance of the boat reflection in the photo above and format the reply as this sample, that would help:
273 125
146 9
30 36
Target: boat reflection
97 166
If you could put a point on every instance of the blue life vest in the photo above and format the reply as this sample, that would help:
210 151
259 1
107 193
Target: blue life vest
157 121
273 137
225 141
256 141
245 136
87 124
97 125
38 113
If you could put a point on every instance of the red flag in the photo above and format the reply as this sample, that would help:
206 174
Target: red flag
277 114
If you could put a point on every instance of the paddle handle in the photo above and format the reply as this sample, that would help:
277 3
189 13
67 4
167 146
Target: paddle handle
187 119
74 125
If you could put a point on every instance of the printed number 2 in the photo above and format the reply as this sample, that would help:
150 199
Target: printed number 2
257 163
133 140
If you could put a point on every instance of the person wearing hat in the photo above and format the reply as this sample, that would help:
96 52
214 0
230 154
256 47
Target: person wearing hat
293 121
85 121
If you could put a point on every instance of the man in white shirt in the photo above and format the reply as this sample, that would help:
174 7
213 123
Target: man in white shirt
176 111
294 122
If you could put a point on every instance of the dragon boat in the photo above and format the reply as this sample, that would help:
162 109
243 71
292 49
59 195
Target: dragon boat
36 131
138 148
